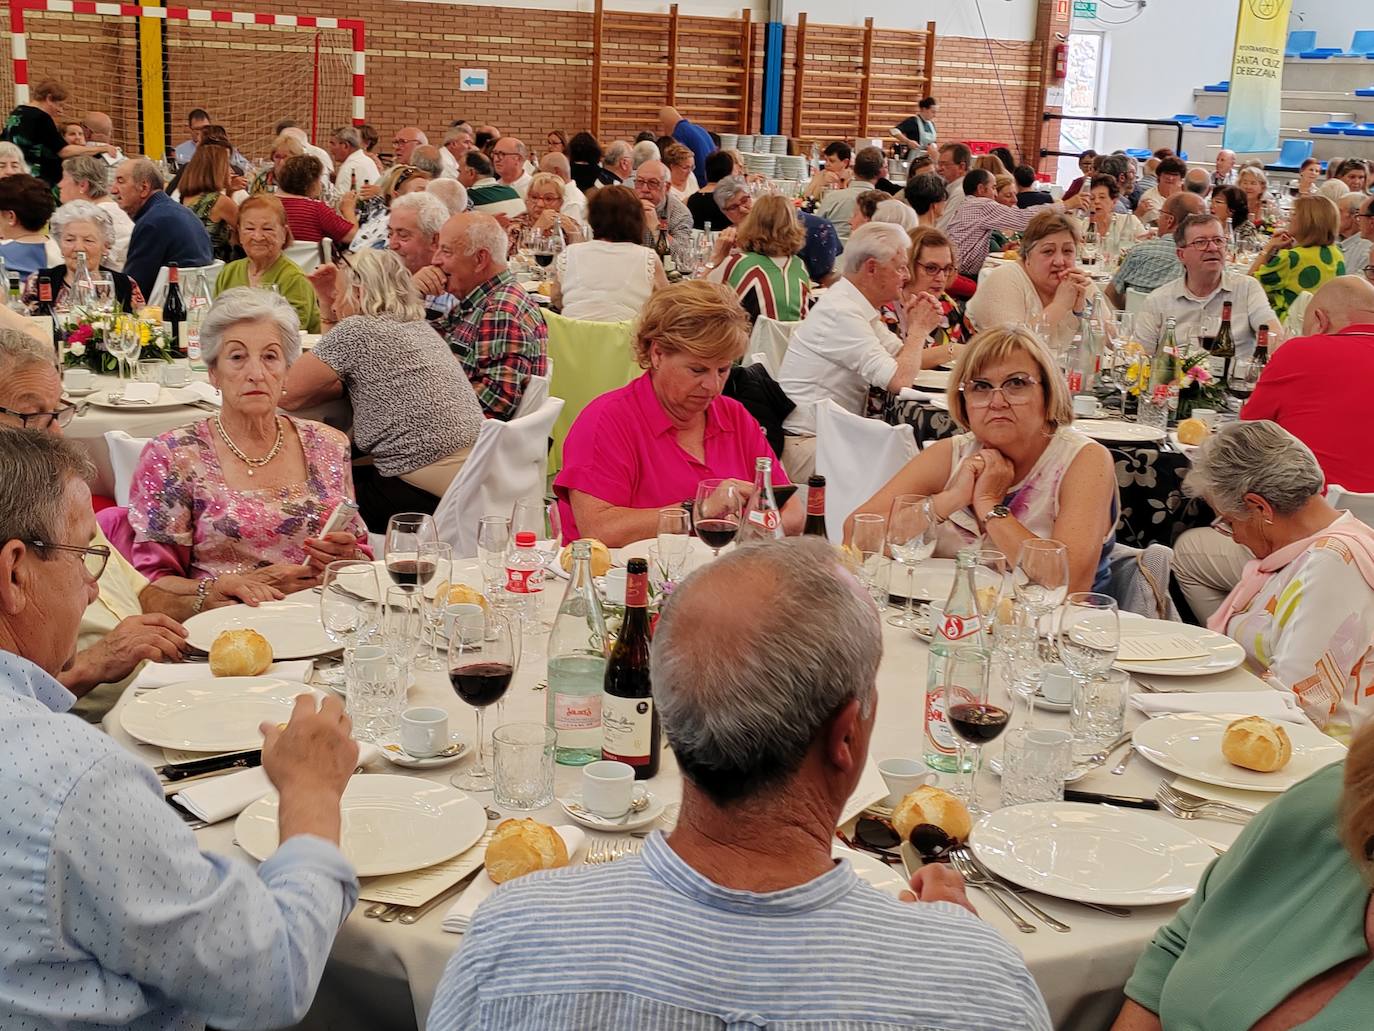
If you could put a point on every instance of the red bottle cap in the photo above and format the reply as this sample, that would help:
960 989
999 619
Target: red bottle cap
524 539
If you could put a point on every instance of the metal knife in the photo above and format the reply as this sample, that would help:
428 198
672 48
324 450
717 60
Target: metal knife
1126 801
194 768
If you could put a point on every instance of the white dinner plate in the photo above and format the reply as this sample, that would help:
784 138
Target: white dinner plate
1092 853
932 379
1189 743
931 581
1116 430
1222 652
698 554
213 714
391 824
873 870
168 397
292 627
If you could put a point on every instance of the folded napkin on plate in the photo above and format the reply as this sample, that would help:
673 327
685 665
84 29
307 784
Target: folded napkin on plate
162 674
150 393
1269 704
458 917
219 798
204 392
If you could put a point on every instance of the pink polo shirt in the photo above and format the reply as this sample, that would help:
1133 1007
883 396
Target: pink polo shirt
623 449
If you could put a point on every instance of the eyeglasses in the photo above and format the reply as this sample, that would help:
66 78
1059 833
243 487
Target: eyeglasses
1368 271
1208 243
42 420
1016 390
94 559
738 205
936 270
652 184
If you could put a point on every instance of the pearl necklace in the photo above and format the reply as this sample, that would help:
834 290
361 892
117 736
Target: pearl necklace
252 463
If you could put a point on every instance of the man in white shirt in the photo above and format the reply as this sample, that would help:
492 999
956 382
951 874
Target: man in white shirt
99 128
289 128
508 158
1202 290
87 178
838 204
1357 248
355 168
574 200
843 347
952 166
457 142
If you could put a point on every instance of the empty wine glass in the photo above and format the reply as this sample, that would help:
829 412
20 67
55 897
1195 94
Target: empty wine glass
973 717
717 511
910 540
1243 378
481 663
493 538
542 519
1041 578
674 537
405 533
103 293
869 539
348 608
991 583
434 599
402 624
1089 634
1016 648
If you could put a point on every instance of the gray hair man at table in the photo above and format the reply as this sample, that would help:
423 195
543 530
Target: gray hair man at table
764 667
113 914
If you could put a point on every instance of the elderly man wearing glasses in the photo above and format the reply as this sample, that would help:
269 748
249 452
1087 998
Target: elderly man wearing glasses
662 211
130 620
1205 286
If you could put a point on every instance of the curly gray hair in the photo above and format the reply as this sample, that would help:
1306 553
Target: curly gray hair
1258 457
247 304
83 211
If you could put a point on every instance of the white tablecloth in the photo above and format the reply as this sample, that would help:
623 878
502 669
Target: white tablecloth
377 972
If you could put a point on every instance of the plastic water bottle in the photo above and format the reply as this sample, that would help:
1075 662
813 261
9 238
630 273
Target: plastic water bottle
525 575
577 666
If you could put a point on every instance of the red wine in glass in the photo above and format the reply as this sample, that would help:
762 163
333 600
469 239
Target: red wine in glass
716 533
545 260
978 722
481 683
408 572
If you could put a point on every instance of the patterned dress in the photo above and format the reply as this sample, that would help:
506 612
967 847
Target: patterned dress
179 499
221 241
1295 269
769 287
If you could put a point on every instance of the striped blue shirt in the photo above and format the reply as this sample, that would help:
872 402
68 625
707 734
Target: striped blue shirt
650 944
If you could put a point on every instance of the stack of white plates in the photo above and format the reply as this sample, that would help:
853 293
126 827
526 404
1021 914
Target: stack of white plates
791 166
763 164
776 144
744 143
728 141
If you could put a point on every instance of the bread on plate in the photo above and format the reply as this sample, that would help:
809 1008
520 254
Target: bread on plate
518 847
240 653
1254 743
932 805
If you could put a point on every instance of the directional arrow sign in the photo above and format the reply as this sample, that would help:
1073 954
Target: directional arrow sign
472 79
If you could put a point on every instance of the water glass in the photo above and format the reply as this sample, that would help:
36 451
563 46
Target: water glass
910 540
348 607
668 561
1098 714
1089 633
148 372
434 600
1034 765
1152 412
402 624
376 686
523 756
493 538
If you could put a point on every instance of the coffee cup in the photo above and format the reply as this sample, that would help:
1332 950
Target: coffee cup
468 613
78 379
1206 416
175 375
608 788
1084 404
1056 684
903 776
614 581
424 731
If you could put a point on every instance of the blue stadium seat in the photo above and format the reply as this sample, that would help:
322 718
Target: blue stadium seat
1292 153
1362 45
1298 41
1363 129
1185 119
1210 122
1139 153
1320 54
1368 91
1330 128
1224 86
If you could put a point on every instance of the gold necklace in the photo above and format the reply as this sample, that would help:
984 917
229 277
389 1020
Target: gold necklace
252 463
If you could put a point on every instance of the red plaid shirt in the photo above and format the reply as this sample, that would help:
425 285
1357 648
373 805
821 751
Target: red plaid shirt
499 335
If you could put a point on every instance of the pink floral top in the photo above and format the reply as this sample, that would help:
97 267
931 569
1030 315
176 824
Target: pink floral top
188 522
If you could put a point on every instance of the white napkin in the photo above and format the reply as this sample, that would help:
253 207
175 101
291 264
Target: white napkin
149 392
204 392
1269 704
222 797
458 917
162 674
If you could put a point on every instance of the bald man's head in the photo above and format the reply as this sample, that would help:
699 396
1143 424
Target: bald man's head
1177 208
1345 301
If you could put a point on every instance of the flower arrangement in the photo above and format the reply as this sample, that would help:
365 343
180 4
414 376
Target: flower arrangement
1197 388
88 333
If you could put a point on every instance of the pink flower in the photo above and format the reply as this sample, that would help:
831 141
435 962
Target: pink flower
1199 374
81 334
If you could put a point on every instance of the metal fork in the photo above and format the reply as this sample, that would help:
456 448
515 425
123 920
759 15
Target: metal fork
1182 802
963 865
608 850
988 875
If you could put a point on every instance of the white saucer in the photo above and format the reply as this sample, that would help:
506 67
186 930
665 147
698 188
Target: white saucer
1041 702
391 751
70 392
622 823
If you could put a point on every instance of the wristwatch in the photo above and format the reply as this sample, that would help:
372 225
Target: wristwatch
997 512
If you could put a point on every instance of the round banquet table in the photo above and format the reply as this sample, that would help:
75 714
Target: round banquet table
385 975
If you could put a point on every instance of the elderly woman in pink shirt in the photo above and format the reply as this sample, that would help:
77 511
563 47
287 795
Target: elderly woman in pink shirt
647 445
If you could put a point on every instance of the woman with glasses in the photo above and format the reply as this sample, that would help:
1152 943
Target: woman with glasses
1303 256
933 267
1304 608
1020 470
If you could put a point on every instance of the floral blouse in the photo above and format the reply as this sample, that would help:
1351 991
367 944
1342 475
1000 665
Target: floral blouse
188 522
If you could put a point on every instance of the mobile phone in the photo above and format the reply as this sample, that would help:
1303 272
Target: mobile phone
342 515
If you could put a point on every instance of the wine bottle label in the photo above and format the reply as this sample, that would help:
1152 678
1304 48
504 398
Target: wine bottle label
576 711
956 628
637 591
815 501
766 518
939 736
524 581
627 729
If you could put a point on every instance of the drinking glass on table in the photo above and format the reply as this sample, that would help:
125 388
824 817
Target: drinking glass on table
869 540
542 519
123 341
1016 650
1041 578
103 298
434 599
1034 765
717 511
406 532
402 625
911 540
1089 634
991 584
481 663
1097 715
674 534
493 538
1244 375
348 607
971 713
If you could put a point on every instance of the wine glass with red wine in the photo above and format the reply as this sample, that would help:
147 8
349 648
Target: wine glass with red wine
717 512
971 713
481 663
406 562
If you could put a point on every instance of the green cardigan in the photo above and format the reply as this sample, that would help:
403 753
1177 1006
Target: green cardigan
289 280
1285 904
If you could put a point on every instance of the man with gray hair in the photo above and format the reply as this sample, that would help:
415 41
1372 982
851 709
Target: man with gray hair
508 159
617 163
843 347
115 916
164 231
574 200
457 142
743 898
413 227
355 168
664 213
496 330
1197 181
426 158
88 178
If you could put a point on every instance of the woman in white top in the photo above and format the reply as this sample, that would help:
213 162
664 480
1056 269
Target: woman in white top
1020 471
608 278
681 164
1116 231
1045 288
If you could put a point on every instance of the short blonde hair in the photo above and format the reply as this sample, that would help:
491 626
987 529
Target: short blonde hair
697 316
771 228
289 144
1000 180
544 181
1047 223
1315 221
383 285
990 163
998 344
1357 802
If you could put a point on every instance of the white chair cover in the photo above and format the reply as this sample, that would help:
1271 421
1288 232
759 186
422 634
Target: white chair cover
1135 299
771 337
510 461
125 452
159 292
1361 506
307 254
536 393
857 456
761 358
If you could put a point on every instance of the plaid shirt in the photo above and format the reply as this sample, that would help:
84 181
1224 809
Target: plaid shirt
1149 265
499 335
974 222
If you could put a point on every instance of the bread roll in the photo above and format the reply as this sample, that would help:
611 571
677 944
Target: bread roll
932 805
240 653
1255 743
462 594
519 847
601 557
1192 431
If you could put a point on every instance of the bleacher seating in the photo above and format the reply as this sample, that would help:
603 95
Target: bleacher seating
1292 153
1224 86
1362 44
1320 54
1329 128
1298 41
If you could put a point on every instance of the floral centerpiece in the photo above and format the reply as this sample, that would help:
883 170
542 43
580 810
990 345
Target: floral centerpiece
1197 388
88 332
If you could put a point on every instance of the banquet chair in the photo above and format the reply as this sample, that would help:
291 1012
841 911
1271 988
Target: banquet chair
856 456
761 358
1135 299
536 393
1297 311
158 294
508 463
1361 506
771 337
308 254
1138 580
125 452
589 359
